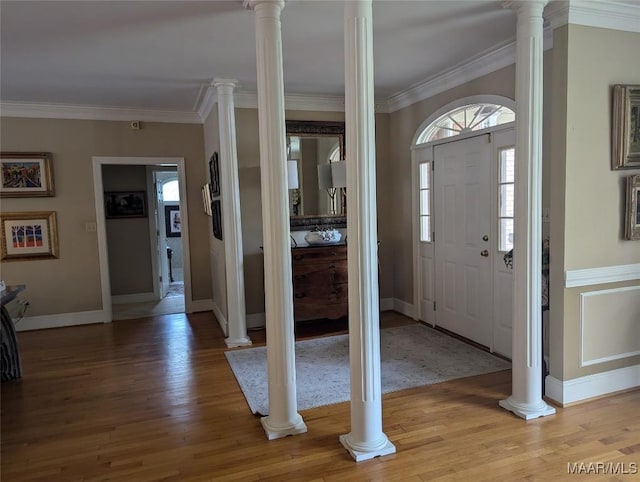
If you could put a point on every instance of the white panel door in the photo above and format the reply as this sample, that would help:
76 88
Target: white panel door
462 212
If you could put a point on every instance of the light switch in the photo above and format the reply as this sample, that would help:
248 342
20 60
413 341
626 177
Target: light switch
90 227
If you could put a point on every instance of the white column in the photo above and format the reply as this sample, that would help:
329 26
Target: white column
283 417
366 439
526 398
231 218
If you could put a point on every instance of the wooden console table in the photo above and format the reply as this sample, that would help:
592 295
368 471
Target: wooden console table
320 282
11 366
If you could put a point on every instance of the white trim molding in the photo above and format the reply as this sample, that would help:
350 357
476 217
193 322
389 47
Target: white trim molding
590 386
404 308
222 320
606 274
611 325
63 319
610 14
201 305
90 112
481 64
386 304
256 321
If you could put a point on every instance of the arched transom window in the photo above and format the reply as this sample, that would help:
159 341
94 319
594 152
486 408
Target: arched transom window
468 118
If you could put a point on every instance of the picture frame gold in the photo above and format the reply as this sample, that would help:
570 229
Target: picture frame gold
625 135
632 211
28 235
26 174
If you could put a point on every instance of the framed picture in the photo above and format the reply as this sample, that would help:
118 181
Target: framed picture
625 138
29 235
25 174
206 199
125 204
217 219
172 224
214 173
632 213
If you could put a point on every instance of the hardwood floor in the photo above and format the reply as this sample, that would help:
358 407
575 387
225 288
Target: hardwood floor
154 399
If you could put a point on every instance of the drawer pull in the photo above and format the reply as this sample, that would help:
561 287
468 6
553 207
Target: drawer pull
298 257
299 295
300 277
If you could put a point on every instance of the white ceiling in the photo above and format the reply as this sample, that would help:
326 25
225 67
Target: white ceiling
164 54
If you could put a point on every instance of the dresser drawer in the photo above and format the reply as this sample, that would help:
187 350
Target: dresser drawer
320 273
321 254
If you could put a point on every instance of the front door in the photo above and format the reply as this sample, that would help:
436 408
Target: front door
463 264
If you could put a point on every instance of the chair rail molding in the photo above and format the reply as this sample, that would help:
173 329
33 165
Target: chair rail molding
606 274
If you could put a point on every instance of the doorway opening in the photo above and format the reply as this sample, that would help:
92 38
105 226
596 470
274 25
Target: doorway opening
463 220
144 255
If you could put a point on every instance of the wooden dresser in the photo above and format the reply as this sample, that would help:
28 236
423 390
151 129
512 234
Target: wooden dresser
320 282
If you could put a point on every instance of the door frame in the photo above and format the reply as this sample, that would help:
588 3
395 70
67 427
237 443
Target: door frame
425 151
160 265
105 279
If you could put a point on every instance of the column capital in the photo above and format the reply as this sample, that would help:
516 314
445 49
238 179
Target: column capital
255 3
217 83
531 7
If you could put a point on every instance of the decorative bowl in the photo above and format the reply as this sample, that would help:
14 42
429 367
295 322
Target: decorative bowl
326 236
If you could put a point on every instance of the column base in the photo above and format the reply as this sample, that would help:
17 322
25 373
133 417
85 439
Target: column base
280 432
359 455
236 342
526 411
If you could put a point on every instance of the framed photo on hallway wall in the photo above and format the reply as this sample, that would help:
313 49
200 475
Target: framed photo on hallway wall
125 204
25 174
172 221
632 212
217 218
214 173
625 136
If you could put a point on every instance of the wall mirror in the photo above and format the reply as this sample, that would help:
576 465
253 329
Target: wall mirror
316 176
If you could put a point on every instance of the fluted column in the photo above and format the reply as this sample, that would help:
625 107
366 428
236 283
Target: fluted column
526 398
231 218
283 417
366 439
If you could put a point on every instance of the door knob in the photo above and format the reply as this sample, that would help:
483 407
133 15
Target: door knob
484 253
485 238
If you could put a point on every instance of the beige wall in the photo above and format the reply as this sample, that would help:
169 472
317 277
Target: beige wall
72 282
128 240
215 246
587 196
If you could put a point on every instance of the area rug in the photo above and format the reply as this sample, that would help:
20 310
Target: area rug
411 356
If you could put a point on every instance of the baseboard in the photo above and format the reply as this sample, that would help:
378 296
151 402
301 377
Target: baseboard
405 308
591 386
133 298
222 320
61 319
255 321
386 304
201 305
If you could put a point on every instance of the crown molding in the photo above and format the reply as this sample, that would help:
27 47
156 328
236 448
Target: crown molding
613 15
472 68
59 111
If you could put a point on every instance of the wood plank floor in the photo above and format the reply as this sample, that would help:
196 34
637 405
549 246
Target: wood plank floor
154 399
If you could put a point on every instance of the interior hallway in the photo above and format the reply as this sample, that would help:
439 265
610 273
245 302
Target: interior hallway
154 399
172 303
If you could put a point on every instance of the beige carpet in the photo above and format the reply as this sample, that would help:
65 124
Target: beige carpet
411 356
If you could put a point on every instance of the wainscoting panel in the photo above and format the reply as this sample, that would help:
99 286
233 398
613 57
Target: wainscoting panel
609 325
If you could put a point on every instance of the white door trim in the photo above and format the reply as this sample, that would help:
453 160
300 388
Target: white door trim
105 280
